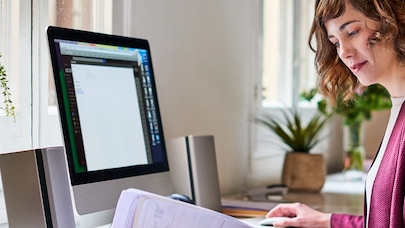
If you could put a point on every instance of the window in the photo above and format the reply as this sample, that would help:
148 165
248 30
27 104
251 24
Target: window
287 70
24 49
15 43
288 67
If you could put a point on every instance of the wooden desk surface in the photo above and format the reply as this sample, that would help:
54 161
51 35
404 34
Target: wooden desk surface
329 202
337 196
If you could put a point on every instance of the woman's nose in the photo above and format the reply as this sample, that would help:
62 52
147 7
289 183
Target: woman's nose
346 50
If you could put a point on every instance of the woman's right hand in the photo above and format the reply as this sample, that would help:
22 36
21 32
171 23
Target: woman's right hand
299 215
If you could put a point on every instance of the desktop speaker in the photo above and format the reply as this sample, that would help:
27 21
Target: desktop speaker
36 188
193 168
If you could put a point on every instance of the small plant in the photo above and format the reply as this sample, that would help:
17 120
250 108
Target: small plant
374 98
354 113
5 91
291 130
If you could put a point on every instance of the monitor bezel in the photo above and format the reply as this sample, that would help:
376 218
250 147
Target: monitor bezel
55 33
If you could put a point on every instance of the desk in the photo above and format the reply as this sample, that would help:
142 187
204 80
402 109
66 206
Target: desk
337 196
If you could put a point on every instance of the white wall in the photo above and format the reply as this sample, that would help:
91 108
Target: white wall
202 54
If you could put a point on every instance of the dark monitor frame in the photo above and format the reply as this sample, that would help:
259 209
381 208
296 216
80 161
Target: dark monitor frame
77 178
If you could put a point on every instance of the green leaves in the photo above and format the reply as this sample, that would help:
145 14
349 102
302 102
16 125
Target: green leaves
291 130
5 91
374 98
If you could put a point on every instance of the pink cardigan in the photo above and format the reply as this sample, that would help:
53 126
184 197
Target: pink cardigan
387 199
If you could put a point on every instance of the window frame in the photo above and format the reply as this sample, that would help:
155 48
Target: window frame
296 71
36 124
17 135
299 68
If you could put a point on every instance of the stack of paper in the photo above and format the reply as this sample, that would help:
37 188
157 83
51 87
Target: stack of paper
140 209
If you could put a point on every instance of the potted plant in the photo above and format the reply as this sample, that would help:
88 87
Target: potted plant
302 170
354 113
5 91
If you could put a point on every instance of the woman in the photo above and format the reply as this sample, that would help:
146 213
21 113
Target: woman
360 43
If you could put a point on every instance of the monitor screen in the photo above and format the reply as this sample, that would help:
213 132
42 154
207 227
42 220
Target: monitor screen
108 107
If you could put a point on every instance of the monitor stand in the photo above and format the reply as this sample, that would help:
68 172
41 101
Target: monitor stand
37 189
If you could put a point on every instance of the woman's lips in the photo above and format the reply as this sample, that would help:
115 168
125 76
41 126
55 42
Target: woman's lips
356 67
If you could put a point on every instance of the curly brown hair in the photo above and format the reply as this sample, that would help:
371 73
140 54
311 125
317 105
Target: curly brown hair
334 78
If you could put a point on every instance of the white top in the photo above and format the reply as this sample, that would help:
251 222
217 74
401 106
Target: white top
396 106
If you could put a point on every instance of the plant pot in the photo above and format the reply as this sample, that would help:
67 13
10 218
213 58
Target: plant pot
304 172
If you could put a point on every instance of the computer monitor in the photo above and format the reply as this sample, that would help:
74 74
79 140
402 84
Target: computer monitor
109 113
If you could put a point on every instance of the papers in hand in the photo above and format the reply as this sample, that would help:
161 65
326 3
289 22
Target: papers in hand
140 209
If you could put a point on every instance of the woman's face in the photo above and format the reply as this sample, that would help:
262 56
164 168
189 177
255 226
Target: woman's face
350 35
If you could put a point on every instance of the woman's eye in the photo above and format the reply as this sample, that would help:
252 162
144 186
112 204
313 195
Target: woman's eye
336 44
353 33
